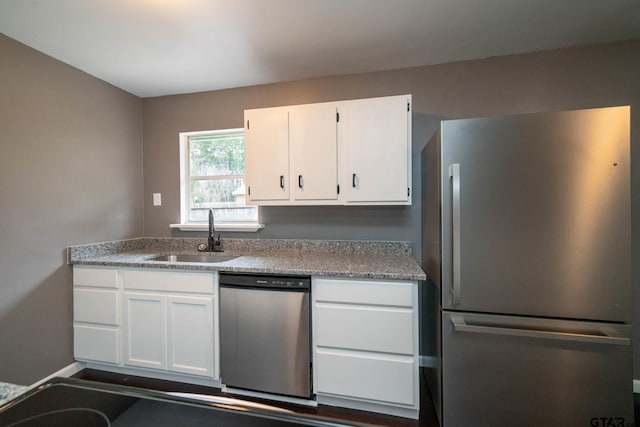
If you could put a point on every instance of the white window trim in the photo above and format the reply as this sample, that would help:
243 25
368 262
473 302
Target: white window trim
248 226
221 226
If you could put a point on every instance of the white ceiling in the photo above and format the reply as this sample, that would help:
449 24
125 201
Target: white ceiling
160 47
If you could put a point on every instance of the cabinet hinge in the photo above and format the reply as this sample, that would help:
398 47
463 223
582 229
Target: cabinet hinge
338 189
408 191
247 124
408 106
337 117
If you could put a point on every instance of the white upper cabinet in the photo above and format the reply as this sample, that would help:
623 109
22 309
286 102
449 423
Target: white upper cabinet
267 154
354 152
376 150
314 151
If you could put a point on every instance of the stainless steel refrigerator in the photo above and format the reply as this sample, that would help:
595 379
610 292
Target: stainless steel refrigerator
526 244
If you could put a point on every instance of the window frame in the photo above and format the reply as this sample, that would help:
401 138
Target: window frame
185 182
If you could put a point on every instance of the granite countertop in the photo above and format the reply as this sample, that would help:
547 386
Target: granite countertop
10 391
353 259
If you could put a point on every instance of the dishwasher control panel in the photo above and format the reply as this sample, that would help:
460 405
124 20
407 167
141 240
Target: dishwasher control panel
265 281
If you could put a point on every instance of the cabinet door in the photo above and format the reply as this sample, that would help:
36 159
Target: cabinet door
314 151
377 152
190 335
267 154
145 330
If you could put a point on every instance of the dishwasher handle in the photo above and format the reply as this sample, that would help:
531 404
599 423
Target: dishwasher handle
598 337
266 287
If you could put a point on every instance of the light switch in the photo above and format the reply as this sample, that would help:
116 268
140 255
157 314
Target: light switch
157 199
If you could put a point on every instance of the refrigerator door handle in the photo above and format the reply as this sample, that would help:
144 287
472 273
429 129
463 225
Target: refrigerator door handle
598 337
454 175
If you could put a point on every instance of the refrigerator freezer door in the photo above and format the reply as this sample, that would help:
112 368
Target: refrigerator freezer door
507 371
536 214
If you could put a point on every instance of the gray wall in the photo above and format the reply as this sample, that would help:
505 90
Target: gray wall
70 173
595 76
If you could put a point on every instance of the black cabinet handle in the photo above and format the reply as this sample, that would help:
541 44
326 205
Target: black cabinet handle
300 181
353 180
282 181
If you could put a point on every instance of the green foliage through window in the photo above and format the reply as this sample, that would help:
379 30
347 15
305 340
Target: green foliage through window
216 155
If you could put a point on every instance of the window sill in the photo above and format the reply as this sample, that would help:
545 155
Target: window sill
249 227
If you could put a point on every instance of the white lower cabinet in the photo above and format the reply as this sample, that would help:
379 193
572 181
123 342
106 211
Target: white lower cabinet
142 318
96 314
169 330
364 332
366 344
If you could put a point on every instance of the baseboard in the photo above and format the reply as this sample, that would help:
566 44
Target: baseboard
156 374
371 406
65 372
636 386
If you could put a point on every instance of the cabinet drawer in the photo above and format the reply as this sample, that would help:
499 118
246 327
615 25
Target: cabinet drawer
100 344
389 330
98 277
372 292
96 306
169 281
387 379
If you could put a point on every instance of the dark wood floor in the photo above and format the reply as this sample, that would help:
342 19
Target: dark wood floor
427 413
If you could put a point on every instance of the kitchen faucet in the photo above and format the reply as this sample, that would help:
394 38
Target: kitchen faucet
213 244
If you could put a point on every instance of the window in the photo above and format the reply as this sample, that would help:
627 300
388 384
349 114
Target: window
212 176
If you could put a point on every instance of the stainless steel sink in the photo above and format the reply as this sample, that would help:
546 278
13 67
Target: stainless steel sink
203 258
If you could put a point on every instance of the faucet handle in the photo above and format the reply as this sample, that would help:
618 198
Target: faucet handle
217 245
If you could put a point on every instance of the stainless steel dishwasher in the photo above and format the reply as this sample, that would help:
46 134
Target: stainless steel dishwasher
264 333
